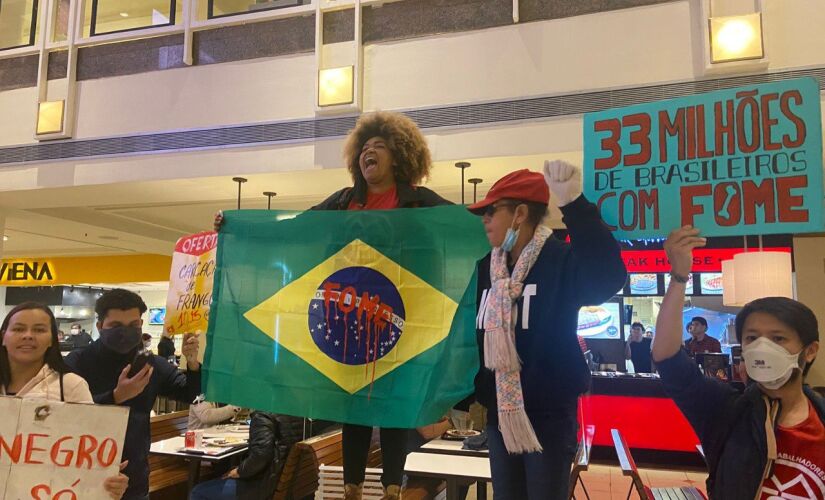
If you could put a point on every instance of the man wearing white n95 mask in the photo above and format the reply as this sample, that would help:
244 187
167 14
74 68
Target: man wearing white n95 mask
768 442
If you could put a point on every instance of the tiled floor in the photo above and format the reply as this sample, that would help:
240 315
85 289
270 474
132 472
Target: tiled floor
605 482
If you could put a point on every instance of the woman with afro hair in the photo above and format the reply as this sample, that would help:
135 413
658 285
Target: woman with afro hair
387 157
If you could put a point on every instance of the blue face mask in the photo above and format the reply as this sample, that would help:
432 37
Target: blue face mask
510 239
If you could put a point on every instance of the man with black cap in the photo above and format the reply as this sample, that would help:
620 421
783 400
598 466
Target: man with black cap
105 365
530 289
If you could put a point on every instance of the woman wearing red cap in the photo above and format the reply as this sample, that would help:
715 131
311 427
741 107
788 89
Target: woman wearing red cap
530 289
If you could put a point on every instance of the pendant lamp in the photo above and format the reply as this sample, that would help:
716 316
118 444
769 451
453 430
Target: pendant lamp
762 274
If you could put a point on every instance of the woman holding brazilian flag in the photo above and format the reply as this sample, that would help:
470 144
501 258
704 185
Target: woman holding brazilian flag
387 156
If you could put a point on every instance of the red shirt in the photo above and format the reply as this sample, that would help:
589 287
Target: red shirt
707 344
799 470
384 201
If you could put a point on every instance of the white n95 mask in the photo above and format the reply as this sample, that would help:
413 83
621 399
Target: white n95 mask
769 363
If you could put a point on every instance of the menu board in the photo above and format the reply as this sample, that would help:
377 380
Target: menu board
644 284
711 283
600 322
688 285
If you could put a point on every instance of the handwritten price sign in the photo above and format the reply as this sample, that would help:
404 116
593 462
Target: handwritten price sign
732 162
58 451
190 283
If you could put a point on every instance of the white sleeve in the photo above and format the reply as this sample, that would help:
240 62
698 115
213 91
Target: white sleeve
208 414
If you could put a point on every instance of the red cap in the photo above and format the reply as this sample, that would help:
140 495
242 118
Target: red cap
524 185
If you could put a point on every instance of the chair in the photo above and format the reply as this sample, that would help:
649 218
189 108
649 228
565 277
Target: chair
628 466
582 461
331 483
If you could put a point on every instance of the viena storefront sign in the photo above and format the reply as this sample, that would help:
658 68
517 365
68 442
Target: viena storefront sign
27 273
50 271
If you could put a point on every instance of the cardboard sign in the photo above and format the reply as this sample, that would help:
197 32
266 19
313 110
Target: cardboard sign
58 451
190 283
733 162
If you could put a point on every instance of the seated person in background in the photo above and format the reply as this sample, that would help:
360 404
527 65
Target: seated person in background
768 442
166 347
270 439
147 342
79 337
637 349
422 435
31 366
203 413
700 341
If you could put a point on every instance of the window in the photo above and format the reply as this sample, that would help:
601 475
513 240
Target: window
18 23
221 8
113 16
61 21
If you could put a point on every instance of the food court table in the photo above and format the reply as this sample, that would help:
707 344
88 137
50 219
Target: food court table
452 447
442 459
173 447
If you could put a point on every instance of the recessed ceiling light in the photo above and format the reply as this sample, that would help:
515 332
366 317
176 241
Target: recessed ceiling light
5 238
124 14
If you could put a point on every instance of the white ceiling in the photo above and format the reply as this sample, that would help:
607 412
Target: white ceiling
148 217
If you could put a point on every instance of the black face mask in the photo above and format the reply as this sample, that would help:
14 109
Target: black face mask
121 339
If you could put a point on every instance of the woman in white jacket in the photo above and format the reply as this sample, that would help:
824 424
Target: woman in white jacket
31 366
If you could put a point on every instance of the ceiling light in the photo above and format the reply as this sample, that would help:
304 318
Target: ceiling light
5 238
124 14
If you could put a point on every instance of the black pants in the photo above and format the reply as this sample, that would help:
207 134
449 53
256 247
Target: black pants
356 447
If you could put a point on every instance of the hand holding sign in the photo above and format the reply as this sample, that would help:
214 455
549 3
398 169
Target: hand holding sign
218 222
116 486
564 181
191 344
128 388
679 248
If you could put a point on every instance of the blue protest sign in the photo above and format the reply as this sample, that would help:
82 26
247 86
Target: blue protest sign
732 162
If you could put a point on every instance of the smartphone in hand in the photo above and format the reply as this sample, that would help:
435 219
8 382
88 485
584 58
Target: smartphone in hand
142 357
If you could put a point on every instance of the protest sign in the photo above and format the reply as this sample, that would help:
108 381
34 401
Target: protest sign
58 451
732 162
190 283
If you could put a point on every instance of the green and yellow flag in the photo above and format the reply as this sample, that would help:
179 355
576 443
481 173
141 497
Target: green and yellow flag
363 317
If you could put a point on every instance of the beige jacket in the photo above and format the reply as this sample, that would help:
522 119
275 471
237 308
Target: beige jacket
203 414
46 385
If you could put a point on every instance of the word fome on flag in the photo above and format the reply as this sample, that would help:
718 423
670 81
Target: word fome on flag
361 317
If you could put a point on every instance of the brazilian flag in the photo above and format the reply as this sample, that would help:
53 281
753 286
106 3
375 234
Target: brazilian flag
363 317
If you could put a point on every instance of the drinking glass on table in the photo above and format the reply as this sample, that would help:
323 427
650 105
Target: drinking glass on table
461 420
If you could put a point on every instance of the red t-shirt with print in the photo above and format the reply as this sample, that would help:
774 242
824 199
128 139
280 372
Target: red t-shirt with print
384 201
799 470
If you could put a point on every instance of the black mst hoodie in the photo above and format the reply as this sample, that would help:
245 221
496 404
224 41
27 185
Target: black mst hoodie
566 276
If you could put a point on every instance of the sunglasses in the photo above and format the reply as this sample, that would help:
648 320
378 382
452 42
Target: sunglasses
490 210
